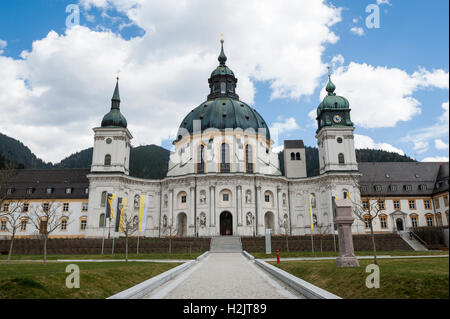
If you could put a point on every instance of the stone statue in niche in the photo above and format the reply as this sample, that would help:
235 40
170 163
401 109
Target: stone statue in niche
313 200
284 199
249 219
137 201
164 223
203 197
202 220
248 197
285 221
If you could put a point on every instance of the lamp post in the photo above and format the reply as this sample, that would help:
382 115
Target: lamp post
198 225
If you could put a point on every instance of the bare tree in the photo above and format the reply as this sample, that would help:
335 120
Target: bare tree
130 226
48 218
283 224
13 218
322 229
169 231
367 211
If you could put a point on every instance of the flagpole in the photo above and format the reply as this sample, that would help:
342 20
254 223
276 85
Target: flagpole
103 239
138 244
312 224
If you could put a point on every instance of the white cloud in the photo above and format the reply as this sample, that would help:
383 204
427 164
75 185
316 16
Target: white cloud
3 45
436 159
357 31
363 141
380 2
421 138
55 94
289 124
440 144
381 96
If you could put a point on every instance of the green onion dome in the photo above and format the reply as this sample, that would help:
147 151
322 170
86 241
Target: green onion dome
114 118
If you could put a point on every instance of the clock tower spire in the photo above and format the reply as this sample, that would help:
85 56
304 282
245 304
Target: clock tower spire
335 133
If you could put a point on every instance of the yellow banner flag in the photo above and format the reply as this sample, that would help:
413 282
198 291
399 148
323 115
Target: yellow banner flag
311 213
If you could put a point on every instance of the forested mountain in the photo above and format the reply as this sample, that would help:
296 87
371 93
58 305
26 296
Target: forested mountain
150 161
14 152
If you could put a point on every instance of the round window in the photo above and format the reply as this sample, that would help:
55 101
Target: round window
339 140
108 141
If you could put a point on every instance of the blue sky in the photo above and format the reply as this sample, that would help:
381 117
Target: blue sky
411 43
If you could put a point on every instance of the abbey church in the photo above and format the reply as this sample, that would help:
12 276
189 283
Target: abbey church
224 179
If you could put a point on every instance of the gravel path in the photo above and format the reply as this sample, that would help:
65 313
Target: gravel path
227 276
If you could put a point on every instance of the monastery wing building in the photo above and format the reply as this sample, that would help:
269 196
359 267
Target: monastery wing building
224 179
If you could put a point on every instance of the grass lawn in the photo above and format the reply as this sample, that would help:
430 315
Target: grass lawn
105 256
97 280
425 278
357 253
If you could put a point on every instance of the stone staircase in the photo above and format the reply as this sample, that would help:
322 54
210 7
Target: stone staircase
226 244
413 242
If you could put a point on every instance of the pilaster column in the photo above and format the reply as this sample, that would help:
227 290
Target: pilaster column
212 205
259 218
171 203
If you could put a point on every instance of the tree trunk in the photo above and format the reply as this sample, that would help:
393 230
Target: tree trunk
126 248
373 244
10 248
45 250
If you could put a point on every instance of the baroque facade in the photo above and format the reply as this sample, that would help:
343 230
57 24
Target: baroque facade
223 178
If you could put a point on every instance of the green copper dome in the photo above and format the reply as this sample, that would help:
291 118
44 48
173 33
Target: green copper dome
114 118
332 101
223 113
334 110
223 109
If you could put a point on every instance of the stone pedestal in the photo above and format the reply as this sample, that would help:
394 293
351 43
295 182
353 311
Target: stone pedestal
344 220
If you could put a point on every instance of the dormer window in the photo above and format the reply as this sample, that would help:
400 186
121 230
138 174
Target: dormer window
69 190
49 190
423 187
10 190
30 190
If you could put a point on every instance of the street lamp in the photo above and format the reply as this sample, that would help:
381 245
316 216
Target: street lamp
198 224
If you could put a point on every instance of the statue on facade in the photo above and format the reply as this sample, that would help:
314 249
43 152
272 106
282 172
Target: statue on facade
137 200
248 197
202 220
249 219
203 197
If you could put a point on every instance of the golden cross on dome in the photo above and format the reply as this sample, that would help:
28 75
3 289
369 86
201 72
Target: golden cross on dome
221 38
118 72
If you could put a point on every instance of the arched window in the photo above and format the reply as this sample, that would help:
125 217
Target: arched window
292 156
201 159
225 158
341 158
102 221
107 160
103 199
223 87
63 224
297 157
249 158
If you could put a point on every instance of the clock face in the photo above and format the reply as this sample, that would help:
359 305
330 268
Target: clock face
337 119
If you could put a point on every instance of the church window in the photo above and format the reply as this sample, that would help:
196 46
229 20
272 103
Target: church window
225 158
297 157
429 218
107 160
292 156
226 197
103 199
383 222
396 204
183 199
267 198
102 221
249 158
381 205
341 158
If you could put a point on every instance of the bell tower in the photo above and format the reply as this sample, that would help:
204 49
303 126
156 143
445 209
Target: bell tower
335 137
112 141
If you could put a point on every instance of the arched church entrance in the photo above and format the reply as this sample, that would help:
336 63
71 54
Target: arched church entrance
226 224
269 220
399 223
182 225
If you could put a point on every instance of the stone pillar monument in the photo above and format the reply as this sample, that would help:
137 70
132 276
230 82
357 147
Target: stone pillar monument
343 218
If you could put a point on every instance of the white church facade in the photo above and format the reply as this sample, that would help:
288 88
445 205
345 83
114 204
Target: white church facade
223 178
